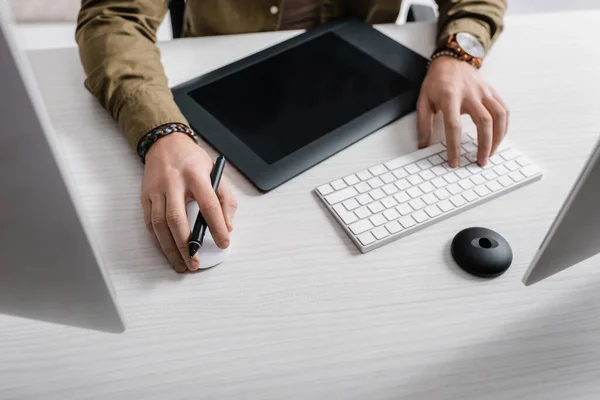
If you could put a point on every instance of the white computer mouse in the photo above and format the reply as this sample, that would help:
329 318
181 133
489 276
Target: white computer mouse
210 254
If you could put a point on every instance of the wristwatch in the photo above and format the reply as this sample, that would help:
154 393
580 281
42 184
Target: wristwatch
463 46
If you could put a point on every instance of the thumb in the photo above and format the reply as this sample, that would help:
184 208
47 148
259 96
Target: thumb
424 121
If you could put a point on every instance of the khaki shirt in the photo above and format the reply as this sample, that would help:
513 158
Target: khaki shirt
117 43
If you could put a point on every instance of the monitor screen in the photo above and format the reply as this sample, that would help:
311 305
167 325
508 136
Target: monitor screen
289 100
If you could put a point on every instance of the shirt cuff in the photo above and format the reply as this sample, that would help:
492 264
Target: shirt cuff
477 28
146 110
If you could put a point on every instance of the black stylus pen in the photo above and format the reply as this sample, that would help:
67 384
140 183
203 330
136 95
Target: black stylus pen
197 237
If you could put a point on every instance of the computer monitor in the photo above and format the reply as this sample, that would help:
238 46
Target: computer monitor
49 268
574 236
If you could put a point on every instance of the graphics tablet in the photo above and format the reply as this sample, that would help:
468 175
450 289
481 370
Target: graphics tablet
283 110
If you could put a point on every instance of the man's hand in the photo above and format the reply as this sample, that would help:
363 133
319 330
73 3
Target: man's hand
177 171
455 87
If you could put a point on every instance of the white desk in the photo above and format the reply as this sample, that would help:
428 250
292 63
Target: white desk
297 312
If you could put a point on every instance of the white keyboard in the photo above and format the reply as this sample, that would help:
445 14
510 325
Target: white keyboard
388 201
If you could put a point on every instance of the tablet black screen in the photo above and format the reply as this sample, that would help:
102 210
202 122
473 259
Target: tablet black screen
280 105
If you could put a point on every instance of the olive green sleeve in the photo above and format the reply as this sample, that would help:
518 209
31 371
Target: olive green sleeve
482 18
117 47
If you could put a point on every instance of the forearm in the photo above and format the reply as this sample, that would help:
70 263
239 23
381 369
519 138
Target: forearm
482 18
117 47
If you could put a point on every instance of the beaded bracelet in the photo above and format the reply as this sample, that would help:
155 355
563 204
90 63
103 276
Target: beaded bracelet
164 130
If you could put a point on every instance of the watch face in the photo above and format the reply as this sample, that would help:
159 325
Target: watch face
470 44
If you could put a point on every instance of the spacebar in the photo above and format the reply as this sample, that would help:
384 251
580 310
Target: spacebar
416 156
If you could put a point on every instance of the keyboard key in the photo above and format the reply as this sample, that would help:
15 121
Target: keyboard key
427 187
364 175
451 177
445 206
509 154
402 184
389 202
424 164
466 184
346 216
420 216
380 232
465 138
448 168
482 191
375 182
351 180
444 155
402 197
474 168
325 189
470 195
378 219
515 176
366 238
472 157
430 199
458 201
435 160
512 165
523 161
489 175
393 227
454 189
439 182
377 194
407 222
362 212
363 187
351 204
415 180
427 175
416 204
376 207
433 211
501 170
530 171
438 170
404 209
378 170
442 194
477 180
338 184
462 173
494 186
360 226
364 199
391 215
505 181
414 192
390 189
388 178
469 147
463 162
412 168
342 195
400 173
496 159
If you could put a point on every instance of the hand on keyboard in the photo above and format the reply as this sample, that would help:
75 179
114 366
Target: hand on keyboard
455 87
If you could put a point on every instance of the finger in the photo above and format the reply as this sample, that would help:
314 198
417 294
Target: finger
180 229
498 113
424 120
451 112
228 203
147 207
163 234
210 207
485 123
